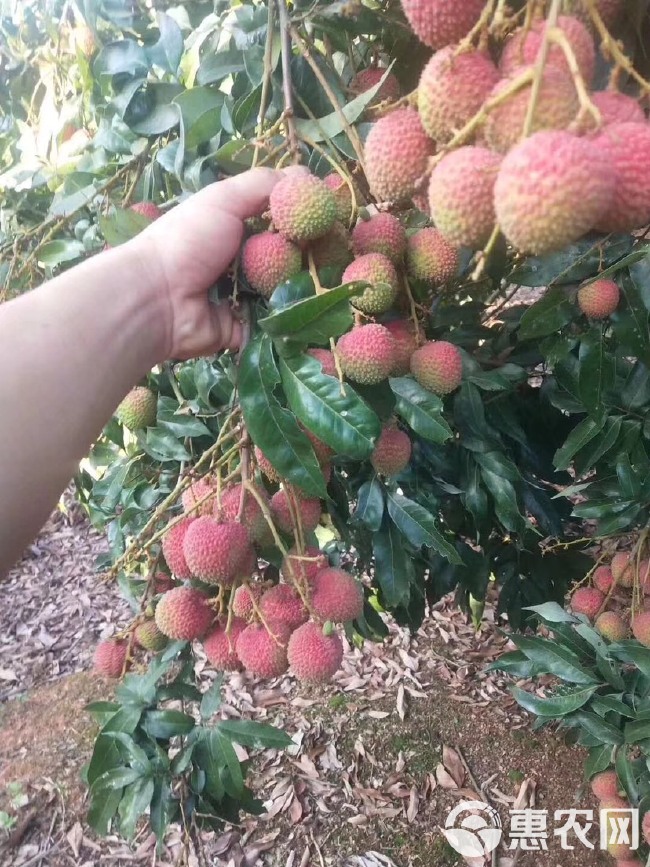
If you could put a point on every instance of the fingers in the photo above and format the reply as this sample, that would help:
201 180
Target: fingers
241 196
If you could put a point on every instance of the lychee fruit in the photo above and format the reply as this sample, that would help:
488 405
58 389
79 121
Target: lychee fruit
382 233
365 79
262 653
302 207
216 553
599 299
556 107
313 656
110 656
345 206
322 451
283 511
184 614
336 596
611 626
551 189
332 250
645 827
461 196
614 802
269 259
138 409
430 257
523 47
163 582
392 451
603 579
641 628
627 147
452 89
172 548
605 785
266 466
202 492
302 569
149 636
397 152
587 601
219 645
326 359
438 23
146 209
614 107
622 569
620 851
282 603
379 271
404 335
367 354
242 604
438 366
252 517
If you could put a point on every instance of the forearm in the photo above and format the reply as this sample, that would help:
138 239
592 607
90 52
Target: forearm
69 352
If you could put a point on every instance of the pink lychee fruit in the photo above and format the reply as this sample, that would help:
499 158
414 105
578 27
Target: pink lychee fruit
264 653
219 645
313 656
336 596
110 657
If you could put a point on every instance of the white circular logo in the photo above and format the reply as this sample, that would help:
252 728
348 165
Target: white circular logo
479 833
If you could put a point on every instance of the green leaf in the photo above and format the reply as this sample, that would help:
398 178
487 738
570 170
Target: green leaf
211 700
626 775
514 663
254 734
577 439
167 52
370 504
633 653
121 225
116 778
271 427
222 749
333 412
167 724
504 494
124 55
596 372
135 800
200 109
600 758
419 527
53 253
216 65
553 706
315 319
103 808
163 445
551 613
597 727
552 658
394 570
163 808
548 315
328 127
574 263
421 410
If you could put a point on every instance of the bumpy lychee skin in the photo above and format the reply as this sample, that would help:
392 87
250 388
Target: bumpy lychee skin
441 22
452 88
438 366
645 827
110 656
397 152
340 189
199 492
430 257
149 636
267 260
392 451
138 409
163 582
336 596
461 196
552 189
183 614
322 451
627 145
523 48
326 359
313 656
367 354
282 510
302 207
219 645
622 569
599 299
611 626
252 517
379 271
556 107
603 579
261 653
641 628
403 332
216 553
332 250
283 604
302 570
367 78
587 601
383 234
605 785
172 548
614 107
242 604
266 466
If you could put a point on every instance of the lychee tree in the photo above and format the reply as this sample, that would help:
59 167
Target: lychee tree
443 383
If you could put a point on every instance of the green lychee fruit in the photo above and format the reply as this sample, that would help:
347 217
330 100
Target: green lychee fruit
302 207
282 510
367 354
605 785
523 47
404 335
383 233
552 189
146 209
282 603
379 271
452 89
302 569
397 152
392 451
430 257
587 601
336 596
172 548
313 656
641 628
269 259
183 614
219 645
611 626
438 23
149 636
262 653
110 657
345 205
326 359
461 196
627 147
599 299
438 366
138 409
216 553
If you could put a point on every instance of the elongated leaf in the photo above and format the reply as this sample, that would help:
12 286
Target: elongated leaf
600 758
211 700
370 504
551 613
167 723
316 319
116 778
577 439
420 409
102 810
393 565
597 727
547 315
135 800
553 706
419 527
254 734
552 658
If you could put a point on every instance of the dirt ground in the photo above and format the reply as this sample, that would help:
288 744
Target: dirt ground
407 730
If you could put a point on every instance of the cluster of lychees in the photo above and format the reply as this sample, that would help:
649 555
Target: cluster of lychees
611 796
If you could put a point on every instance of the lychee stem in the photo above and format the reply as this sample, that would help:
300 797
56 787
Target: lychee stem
479 28
287 89
540 65
586 105
612 47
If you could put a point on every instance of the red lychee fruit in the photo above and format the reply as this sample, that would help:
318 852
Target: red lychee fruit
382 233
110 656
612 626
605 785
461 196
283 511
365 79
313 656
183 614
367 354
452 89
138 409
326 359
603 579
551 189
302 569
614 107
438 23
332 250
242 604
430 257
622 569
392 451
302 207
379 271
322 451
269 259
438 366
216 553
262 653
641 628
345 207
627 147
645 824
397 152
219 645
614 802
172 548
587 601
148 635
266 466
202 492
336 596
523 47
599 299
252 517
283 604
146 209
403 332
163 582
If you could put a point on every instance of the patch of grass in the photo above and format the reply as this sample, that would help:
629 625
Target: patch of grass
442 854
516 776
336 702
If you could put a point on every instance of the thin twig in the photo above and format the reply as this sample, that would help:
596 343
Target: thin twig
285 32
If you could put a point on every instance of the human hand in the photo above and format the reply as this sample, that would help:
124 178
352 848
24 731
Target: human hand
185 251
